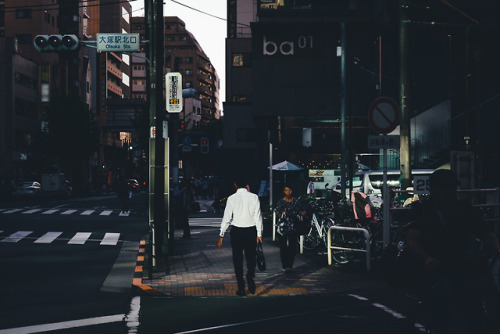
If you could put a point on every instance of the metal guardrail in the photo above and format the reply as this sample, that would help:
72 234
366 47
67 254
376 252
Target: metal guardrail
355 229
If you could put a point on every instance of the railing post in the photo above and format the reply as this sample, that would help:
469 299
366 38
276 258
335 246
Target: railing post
274 225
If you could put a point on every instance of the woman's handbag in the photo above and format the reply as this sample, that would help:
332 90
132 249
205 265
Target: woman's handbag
286 225
261 260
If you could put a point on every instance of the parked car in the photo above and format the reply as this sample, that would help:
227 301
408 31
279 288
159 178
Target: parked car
31 189
133 185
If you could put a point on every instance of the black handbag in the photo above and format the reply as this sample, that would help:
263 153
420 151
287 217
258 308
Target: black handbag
261 260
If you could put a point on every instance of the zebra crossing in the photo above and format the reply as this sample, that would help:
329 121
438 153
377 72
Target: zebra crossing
73 238
64 212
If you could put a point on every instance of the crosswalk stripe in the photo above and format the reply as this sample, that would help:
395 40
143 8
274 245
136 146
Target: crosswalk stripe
68 212
15 237
106 213
49 212
13 210
48 237
110 239
31 211
80 238
87 212
124 214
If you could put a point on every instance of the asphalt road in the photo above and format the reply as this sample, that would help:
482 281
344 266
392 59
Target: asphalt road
68 263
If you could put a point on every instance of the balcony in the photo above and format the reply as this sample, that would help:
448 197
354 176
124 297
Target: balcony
114 70
114 88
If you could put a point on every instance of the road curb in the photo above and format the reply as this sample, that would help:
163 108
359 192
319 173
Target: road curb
137 284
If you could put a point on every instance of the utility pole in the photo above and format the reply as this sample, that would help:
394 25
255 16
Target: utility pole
157 152
404 96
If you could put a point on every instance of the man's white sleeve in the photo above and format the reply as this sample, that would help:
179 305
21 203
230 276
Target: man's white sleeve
226 219
258 217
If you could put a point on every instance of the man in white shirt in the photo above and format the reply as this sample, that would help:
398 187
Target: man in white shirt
243 213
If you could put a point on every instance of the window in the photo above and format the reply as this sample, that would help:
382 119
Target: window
189 60
177 60
183 38
138 27
238 98
23 13
242 60
169 50
198 111
24 80
189 84
170 38
170 26
189 72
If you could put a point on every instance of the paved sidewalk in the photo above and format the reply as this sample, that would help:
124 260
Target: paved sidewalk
198 268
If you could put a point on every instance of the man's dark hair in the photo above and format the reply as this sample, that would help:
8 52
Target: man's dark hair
241 181
442 177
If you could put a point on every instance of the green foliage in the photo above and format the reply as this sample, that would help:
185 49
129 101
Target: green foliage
72 135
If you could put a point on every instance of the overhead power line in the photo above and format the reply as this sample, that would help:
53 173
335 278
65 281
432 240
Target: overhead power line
205 13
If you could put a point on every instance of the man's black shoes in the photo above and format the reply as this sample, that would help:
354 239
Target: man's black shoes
251 286
241 292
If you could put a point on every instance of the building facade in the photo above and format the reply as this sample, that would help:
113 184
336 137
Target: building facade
284 75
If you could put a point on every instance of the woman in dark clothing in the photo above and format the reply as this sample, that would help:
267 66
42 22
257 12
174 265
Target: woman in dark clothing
287 211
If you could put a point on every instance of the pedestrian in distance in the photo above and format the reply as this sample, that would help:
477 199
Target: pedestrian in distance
289 212
451 274
242 212
124 193
186 202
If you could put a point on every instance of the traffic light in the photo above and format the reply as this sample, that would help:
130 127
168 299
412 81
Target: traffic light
204 145
56 43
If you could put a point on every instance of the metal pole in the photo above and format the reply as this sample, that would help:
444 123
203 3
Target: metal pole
270 176
343 97
151 92
404 95
387 204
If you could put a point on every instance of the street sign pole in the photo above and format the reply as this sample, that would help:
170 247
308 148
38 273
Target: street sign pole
383 116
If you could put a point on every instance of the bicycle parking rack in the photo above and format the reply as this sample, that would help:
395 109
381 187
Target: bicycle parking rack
355 229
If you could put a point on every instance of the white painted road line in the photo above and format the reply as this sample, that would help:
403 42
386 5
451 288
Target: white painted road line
106 213
49 212
31 211
13 210
80 238
68 212
17 236
87 212
124 214
47 238
64 325
110 239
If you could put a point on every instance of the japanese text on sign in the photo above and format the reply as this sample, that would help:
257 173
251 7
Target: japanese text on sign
173 82
380 142
118 42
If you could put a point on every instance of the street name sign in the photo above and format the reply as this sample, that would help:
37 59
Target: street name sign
173 82
118 42
383 142
383 115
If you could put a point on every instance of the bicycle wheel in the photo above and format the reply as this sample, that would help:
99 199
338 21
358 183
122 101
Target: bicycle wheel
346 239
312 239
327 223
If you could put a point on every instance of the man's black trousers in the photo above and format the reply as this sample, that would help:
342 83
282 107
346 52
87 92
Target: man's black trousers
244 240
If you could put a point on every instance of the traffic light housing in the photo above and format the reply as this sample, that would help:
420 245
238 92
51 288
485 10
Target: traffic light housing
56 43
204 145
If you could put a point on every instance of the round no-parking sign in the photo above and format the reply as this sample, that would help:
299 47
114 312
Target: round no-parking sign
383 115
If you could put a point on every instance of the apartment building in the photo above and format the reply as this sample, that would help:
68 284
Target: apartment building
182 54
